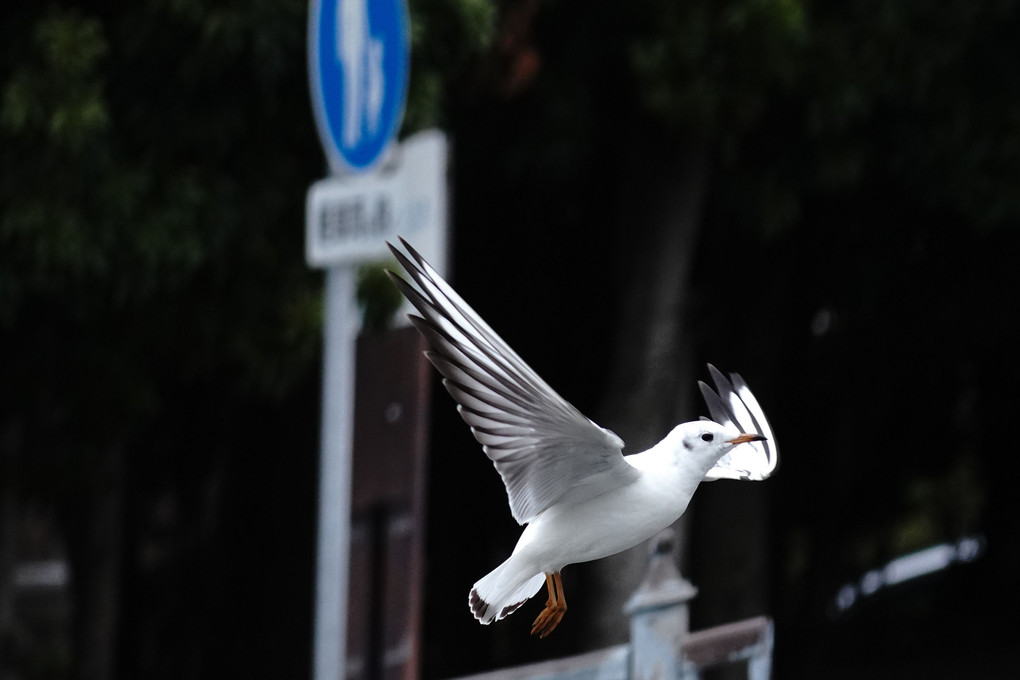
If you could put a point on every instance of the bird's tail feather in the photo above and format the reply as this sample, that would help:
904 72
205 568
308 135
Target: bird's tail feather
499 593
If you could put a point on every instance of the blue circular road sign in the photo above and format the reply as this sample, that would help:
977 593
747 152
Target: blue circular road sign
358 54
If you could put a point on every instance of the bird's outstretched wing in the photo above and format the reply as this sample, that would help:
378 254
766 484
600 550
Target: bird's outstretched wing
544 449
734 406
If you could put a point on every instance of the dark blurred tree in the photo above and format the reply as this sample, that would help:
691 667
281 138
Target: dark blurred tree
890 166
153 298
815 194
158 326
862 159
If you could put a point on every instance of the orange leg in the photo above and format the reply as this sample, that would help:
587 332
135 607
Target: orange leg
555 607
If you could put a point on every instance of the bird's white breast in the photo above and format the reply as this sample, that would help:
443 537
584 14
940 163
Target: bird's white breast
616 520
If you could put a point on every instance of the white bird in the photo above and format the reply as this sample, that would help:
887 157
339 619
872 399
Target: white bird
567 478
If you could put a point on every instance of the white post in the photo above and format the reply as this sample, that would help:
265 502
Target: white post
342 324
659 617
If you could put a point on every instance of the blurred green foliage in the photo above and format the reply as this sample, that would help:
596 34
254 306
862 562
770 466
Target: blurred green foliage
710 67
805 98
448 38
377 297
136 203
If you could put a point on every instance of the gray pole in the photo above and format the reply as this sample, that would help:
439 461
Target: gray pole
413 193
342 323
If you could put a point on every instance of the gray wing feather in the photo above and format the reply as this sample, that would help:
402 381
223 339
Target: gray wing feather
733 405
542 447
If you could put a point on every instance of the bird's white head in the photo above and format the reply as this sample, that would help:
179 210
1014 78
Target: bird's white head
704 442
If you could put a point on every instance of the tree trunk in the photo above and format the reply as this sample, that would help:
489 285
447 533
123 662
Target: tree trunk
9 487
652 374
8 553
94 530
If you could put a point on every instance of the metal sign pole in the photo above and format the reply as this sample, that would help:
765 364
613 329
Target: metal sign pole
412 201
342 324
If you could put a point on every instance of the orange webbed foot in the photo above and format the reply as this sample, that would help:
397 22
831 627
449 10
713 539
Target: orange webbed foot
555 607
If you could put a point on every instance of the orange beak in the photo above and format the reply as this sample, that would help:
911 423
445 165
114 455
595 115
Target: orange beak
744 438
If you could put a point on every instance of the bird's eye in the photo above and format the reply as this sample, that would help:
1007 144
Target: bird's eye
707 437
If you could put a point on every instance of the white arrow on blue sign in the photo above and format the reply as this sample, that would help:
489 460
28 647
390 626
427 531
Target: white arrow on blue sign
358 62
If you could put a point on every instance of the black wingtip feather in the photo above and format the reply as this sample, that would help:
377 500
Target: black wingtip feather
722 384
717 407
479 607
413 270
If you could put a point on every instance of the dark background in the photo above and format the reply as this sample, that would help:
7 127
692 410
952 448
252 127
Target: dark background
821 198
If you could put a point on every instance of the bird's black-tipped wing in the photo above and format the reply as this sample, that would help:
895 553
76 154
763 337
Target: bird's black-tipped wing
544 449
732 405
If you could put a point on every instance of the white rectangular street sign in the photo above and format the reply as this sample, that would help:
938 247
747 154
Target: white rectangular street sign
349 218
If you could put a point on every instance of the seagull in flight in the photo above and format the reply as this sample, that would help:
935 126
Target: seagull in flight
566 477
